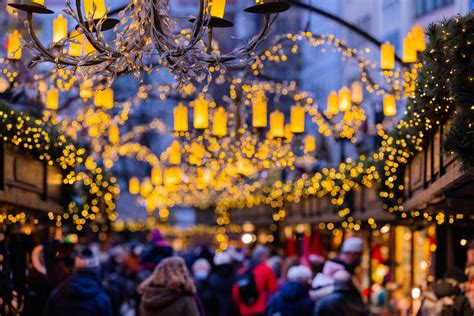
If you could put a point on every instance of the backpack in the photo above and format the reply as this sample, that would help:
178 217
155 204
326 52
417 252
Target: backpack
432 306
247 287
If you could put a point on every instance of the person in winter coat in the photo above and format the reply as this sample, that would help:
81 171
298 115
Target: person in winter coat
201 269
293 298
82 293
324 283
159 250
169 291
221 280
345 300
447 296
265 283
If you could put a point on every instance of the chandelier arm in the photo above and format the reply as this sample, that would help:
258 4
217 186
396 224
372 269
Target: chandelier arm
199 23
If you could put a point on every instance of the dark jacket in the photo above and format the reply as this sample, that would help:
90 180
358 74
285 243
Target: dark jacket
81 294
161 301
221 280
291 299
153 255
344 301
461 306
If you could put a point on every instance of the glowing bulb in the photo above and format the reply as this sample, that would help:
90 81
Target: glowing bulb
344 99
333 104
259 111
95 9
59 28
14 45
277 124
134 185
201 113
180 113
387 56
219 127
297 119
218 8
419 37
409 49
52 99
357 92
389 105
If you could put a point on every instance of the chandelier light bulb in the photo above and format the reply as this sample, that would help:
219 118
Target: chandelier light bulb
156 176
219 127
175 153
419 37
259 111
95 9
201 113
277 124
40 2
309 144
52 99
409 49
218 8
344 99
114 134
387 56
134 186
389 105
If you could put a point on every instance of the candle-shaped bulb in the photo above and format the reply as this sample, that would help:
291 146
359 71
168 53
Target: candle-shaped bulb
357 92
52 99
134 186
387 56
419 37
345 102
14 45
309 144
175 153
76 44
201 113
180 118
114 134
297 119
218 8
95 9
409 49
219 127
332 107
389 105
277 124
259 111
156 176
59 28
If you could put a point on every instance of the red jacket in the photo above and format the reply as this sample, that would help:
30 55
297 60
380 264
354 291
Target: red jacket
266 284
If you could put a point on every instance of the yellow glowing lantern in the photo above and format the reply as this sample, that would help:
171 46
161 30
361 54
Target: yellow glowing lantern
156 176
52 99
75 47
59 28
357 92
40 2
180 114
219 127
85 89
95 9
134 186
333 103
389 105
14 45
409 49
172 176
297 119
259 111
175 153
218 8
309 143
419 37
114 134
201 113
104 98
277 124
345 102
146 187
288 132
244 167
387 56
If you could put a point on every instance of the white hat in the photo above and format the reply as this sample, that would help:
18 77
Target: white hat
222 258
299 273
353 244
86 260
201 264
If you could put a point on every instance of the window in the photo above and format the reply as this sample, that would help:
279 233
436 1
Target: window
423 7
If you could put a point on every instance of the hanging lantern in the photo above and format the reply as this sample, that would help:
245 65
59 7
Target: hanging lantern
259 111
52 99
14 48
344 99
85 89
219 127
244 167
156 176
108 98
95 9
146 187
333 104
180 113
218 8
197 152
409 49
389 105
387 56
59 28
114 134
175 153
201 113
172 176
134 186
297 119
357 92
40 2
277 124
288 132
419 37
309 143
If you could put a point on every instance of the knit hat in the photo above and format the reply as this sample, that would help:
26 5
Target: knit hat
353 244
158 239
222 258
86 260
299 273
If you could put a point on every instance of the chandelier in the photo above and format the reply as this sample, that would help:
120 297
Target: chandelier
145 39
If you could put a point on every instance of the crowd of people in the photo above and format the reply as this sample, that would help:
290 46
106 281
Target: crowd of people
154 280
